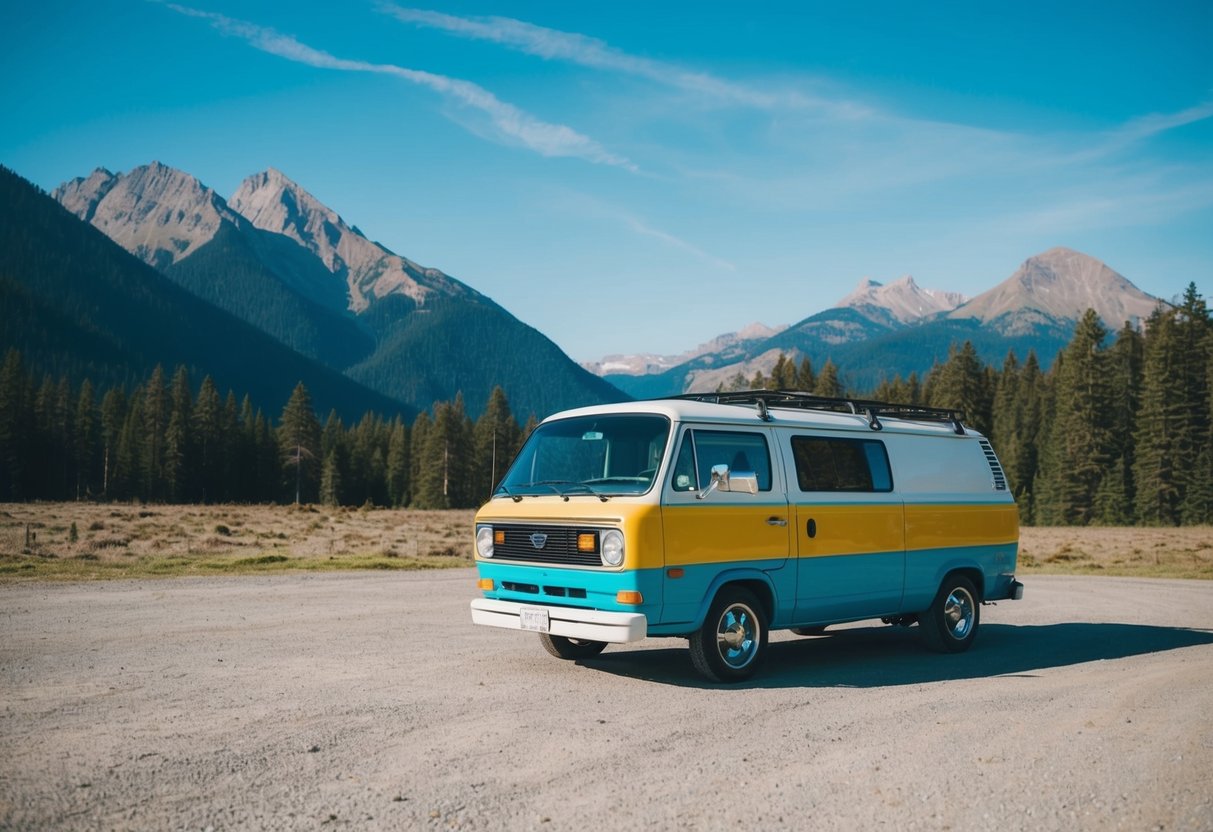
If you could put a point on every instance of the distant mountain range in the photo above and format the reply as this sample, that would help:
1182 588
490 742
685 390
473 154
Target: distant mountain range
880 331
279 259
271 287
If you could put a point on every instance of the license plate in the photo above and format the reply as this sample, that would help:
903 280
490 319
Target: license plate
533 619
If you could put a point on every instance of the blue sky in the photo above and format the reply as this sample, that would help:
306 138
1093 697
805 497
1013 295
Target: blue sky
639 177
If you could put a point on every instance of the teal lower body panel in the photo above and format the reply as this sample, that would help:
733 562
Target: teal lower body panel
593 589
848 587
926 568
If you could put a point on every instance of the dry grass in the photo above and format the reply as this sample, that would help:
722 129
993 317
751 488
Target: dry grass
121 541
1111 550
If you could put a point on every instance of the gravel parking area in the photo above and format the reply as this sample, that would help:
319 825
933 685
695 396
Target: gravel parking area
368 700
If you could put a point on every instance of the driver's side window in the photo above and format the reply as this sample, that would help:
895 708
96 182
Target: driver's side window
701 449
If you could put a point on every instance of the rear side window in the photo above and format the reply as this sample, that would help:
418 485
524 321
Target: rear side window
701 449
829 464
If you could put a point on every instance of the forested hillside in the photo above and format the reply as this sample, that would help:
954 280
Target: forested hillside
78 306
1117 432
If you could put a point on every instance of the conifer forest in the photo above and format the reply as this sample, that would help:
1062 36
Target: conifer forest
1117 431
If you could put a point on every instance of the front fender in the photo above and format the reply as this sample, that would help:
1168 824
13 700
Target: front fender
742 575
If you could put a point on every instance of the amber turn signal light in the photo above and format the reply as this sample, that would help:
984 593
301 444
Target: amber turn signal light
629 596
498 537
486 584
587 542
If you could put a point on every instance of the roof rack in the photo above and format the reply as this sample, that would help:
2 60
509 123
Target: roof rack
763 400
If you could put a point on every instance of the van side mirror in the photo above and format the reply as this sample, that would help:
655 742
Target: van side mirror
737 482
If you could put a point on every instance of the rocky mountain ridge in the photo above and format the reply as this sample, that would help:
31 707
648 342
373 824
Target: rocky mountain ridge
877 332
280 259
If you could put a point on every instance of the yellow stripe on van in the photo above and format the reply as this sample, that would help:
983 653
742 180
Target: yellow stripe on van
945 526
724 532
849 529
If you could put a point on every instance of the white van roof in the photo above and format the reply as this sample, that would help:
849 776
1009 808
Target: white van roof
794 409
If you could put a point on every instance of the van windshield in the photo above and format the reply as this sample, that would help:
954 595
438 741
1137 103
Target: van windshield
601 455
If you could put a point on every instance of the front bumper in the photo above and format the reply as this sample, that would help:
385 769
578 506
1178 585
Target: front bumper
589 625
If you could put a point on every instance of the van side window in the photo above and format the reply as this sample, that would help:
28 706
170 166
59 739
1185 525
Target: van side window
701 449
828 464
684 468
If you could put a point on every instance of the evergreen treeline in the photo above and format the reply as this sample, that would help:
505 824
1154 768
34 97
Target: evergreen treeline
1118 431
164 441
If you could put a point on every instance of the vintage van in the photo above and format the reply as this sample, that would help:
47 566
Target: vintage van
720 517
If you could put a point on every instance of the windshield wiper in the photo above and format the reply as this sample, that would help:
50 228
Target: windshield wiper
575 487
515 497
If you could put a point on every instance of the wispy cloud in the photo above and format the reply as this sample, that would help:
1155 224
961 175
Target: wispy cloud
553 44
1152 125
508 121
676 242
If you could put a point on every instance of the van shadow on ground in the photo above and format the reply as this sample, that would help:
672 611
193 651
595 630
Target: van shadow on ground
889 656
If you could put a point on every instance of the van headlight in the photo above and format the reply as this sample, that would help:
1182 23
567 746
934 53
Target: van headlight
612 547
484 541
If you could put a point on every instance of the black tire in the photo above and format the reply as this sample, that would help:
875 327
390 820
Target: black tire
570 648
732 642
810 631
950 624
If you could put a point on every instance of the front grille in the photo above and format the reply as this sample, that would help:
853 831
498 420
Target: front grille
559 546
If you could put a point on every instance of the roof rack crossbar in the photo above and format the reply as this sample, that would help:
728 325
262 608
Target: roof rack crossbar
763 400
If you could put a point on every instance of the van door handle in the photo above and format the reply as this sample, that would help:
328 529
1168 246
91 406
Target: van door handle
810 528
776 521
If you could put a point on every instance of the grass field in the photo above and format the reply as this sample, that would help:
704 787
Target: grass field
37 539
75 541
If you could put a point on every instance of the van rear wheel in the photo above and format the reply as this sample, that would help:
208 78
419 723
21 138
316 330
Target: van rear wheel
732 641
571 648
950 624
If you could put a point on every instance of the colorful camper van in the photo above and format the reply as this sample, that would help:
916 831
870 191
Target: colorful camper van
720 517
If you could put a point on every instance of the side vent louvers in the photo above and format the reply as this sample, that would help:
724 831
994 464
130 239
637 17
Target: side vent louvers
1000 479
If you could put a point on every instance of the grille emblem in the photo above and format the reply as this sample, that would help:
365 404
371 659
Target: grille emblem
539 540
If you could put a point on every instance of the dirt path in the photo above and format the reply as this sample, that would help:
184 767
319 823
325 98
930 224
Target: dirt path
368 700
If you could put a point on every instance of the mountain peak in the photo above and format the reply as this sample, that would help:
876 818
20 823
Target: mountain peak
1059 285
903 300
157 212
273 202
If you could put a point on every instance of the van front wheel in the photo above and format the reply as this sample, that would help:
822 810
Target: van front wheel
950 624
732 641
571 648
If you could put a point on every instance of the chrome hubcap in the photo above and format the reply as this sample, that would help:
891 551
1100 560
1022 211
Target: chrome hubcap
737 636
958 613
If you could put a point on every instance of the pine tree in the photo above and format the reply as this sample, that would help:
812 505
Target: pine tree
156 410
1159 422
16 416
805 379
828 383
330 480
1082 422
961 384
85 433
1193 327
496 439
113 415
1124 361
299 441
209 441
1044 505
178 439
127 481
398 465
783 375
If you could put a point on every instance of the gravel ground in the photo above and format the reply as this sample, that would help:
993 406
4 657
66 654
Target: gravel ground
369 700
